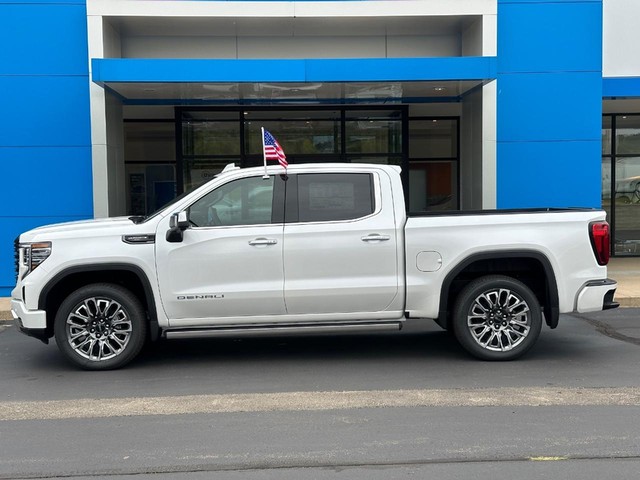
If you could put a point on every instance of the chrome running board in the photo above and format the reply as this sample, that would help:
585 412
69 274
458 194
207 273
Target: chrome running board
285 329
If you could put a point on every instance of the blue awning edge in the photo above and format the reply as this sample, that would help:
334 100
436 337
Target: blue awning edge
621 87
128 70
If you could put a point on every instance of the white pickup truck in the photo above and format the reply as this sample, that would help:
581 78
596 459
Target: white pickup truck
321 249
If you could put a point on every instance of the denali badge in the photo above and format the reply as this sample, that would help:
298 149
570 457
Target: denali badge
204 296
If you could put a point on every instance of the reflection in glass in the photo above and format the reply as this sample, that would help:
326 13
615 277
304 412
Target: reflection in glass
627 198
210 138
432 186
374 136
628 134
201 170
297 138
606 135
433 138
149 187
149 142
246 201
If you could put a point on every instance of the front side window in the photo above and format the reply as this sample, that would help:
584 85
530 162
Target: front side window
326 197
246 201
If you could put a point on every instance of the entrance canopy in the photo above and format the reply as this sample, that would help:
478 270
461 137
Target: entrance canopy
192 82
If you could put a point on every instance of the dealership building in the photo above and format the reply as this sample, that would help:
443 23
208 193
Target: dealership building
114 107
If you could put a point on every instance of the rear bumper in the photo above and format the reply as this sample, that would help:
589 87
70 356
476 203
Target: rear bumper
597 295
30 322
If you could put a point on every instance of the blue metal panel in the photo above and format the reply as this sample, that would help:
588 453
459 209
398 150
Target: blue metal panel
549 107
43 39
316 70
45 111
401 69
58 180
56 2
45 141
549 37
621 87
549 103
550 1
549 174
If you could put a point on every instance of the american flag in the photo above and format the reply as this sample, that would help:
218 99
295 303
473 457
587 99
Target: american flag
273 150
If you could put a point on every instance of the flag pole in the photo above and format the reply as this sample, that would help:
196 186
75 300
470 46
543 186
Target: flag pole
264 157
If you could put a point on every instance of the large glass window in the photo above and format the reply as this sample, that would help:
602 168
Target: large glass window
204 137
375 131
149 155
165 158
299 132
433 164
621 181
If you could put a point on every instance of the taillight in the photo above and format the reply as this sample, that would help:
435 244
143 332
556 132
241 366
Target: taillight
599 233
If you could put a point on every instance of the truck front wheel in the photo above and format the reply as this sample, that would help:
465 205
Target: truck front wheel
100 327
497 318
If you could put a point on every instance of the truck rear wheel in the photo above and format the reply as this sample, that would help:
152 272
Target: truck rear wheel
497 318
100 327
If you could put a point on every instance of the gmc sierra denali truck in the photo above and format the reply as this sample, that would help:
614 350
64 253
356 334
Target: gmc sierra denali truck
319 249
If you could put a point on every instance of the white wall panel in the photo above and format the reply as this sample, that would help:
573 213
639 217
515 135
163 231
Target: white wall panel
472 39
290 47
423 46
290 8
311 47
621 38
489 145
178 47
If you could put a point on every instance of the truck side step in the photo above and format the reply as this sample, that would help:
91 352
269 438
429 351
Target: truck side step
284 329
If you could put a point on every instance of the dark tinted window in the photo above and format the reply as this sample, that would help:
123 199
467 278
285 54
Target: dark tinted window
326 197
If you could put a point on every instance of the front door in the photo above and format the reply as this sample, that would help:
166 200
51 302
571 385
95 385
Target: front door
229 263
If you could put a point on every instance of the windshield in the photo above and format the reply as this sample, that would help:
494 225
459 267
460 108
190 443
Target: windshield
143 219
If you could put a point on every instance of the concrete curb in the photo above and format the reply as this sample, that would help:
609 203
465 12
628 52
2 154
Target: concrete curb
628 302
5 307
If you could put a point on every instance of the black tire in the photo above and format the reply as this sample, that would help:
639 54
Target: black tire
100 327
497 318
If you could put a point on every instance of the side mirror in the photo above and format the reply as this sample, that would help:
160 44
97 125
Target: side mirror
178 223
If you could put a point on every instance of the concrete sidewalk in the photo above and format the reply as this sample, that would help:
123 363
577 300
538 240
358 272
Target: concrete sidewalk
625 270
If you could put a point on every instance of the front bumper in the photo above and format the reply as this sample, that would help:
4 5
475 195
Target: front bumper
30 322
597 295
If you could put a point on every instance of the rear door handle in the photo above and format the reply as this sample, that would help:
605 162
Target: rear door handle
263 241
375 237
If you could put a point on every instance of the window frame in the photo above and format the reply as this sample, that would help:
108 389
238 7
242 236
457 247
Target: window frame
292 208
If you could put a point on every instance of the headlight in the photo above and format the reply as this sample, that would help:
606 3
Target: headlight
32 255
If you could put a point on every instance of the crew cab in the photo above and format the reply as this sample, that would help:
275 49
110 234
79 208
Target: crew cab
314 249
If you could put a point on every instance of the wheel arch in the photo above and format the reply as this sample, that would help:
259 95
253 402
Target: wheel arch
530 267
70 279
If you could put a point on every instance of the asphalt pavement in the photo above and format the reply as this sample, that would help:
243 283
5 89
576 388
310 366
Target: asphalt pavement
410 404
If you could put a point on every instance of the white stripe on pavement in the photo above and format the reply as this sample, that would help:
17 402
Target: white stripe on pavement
309 401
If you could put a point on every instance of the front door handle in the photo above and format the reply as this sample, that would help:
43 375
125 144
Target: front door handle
263 241
375 237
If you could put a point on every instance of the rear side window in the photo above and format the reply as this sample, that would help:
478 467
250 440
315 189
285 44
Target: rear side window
324 197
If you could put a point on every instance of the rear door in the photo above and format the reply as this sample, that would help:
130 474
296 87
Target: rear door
340 254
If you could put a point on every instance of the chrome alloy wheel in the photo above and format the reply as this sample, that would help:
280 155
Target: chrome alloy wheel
499 320
98 329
